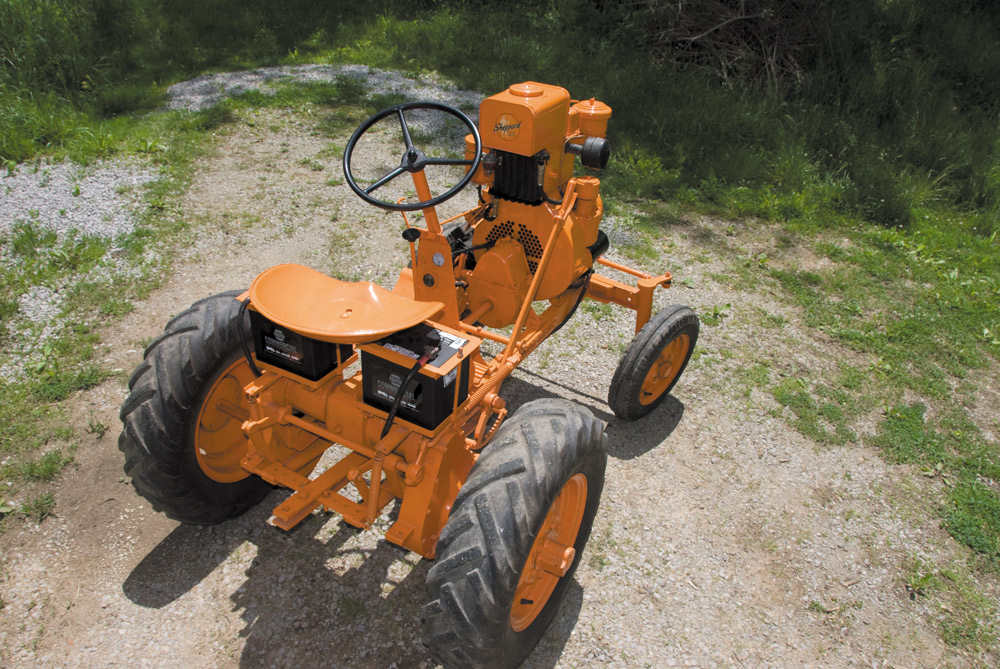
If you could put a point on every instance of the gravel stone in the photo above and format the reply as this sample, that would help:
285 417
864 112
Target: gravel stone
207 90
64 197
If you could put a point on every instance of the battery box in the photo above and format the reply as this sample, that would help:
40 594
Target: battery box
436 390
293 352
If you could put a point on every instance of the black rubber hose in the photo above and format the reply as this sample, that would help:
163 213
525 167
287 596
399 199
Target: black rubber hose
243 339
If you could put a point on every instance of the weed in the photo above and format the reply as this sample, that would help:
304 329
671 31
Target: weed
96 426
969 619
312 164
904 436
774 321
39 507
597 310
58 384
45 468
920 579
713 316
757 375
824 422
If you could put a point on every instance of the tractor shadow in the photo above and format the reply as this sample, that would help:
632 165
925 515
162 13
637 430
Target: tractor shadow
310 597
626 439
321 595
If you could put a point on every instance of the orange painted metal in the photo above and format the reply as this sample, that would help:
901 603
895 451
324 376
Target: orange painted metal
665 369
221 444
525 119
327 309
530 226
218 439
638 298
551 554
499 284
434 277
529 274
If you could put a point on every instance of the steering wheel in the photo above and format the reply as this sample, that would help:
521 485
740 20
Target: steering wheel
414 160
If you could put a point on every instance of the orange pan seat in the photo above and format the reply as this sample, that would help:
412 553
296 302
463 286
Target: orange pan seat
324 308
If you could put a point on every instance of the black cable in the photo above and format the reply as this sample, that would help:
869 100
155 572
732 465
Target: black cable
421 361
243 339
399 399
471 249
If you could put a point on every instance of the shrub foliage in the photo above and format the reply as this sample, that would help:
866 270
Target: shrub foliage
894 102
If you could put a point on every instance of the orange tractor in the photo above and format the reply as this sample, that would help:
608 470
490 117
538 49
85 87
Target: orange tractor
248 390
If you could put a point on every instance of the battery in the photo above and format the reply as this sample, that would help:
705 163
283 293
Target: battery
293 352
435 390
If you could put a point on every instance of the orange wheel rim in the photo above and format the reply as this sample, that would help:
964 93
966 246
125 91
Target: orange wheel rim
551 555
665 369
219 441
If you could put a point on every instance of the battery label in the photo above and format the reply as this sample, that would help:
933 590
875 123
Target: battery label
451 341
386 389
282 349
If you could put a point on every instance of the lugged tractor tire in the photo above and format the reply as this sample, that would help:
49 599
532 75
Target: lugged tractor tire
653 362
533 492
198 351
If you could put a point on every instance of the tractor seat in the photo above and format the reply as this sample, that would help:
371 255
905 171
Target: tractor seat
321 307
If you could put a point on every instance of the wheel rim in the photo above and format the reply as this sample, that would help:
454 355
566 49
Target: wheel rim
219 441
551 555
665 370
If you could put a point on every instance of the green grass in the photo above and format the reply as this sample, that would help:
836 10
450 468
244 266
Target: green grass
39 507
31 415
918 307
714 315
966 617
754 375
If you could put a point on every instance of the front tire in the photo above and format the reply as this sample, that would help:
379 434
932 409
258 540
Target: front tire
182 429
653 363
515 535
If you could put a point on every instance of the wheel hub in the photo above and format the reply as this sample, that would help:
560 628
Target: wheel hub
220 443
665 369
551 555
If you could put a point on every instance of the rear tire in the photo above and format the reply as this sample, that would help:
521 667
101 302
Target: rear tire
654 362
544 470
180 368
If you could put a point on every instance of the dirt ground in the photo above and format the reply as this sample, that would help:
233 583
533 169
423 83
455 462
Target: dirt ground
724 538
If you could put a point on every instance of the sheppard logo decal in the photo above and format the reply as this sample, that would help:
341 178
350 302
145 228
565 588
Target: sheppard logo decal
507 126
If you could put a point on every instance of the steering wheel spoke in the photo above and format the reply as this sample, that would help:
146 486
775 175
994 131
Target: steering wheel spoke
414 160
406 130
385 179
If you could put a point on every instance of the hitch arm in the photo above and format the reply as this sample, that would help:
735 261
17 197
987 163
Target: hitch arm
639 298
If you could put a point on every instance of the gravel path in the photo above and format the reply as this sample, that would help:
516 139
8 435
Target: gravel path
75 203
65 197
205 91
724 538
